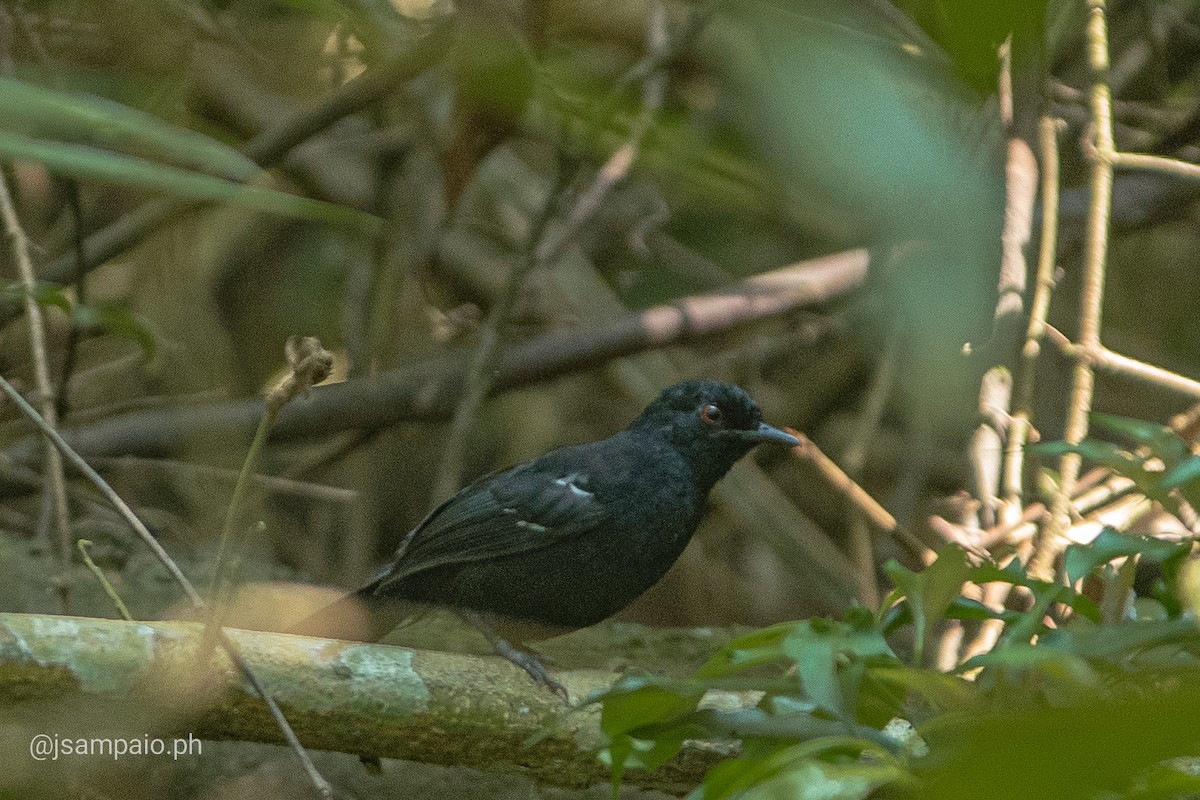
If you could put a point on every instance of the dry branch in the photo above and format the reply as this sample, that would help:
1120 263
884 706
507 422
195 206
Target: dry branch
429 390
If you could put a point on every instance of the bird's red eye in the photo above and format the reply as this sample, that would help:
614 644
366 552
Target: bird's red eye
711 414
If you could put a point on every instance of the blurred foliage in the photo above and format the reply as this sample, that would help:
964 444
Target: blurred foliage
1078 709
1160 462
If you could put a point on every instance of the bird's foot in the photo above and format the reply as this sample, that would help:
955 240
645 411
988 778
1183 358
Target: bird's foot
532 664
525 659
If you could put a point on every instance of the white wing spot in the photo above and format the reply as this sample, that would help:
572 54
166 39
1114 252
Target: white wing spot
569 483
533 526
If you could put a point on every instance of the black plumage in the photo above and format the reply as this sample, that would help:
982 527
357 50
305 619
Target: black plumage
572 537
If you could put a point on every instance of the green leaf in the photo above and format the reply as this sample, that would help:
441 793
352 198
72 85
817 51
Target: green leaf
1119 460
1177 778
638 716
46 294
1184 472
1183 476
1111 455
964 608
1041 751
1015 574
939 690
634 703
820 780
751 777
47 113
755 649
813 654
1023 656
84 162
1162 441
1121 642
829 656
931 591
1081 559
118 321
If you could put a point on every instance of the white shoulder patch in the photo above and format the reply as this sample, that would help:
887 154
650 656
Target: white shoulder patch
572 482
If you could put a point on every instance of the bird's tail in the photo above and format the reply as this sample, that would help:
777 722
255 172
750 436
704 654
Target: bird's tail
361 616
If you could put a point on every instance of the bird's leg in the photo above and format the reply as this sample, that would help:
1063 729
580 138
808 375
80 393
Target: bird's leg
521 657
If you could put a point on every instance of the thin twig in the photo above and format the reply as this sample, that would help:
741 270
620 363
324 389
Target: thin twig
71 349
543 249
1146 161
308 364
55 482
1020 184
122 609
879 516
165 559
1118 364
271 483
986 450
480 376
1020 425
1115 363
1006 533
654 61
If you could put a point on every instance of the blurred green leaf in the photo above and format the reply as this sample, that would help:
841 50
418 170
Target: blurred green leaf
964 608
46 294
1162 441
793 771
637 704
1121 642
1184 472
760 647
931 591
1119 460
634 703
1015 574
1177 778
941 691
1022 657
84 162
817 648
47 113
1081 559
1110 455
971 32
813 654
1062 752
119 321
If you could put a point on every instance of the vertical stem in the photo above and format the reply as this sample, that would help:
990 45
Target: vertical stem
55 482
1018 431
1053 539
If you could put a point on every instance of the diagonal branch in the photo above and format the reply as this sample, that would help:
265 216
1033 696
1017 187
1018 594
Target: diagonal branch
429 390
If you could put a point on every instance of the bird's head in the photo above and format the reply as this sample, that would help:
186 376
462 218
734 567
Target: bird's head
712 424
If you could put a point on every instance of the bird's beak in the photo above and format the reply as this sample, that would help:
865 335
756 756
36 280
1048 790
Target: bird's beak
768 433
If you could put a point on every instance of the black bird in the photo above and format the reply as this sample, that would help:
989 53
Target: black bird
567 539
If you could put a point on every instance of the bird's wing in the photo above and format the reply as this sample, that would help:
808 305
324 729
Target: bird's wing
524 509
